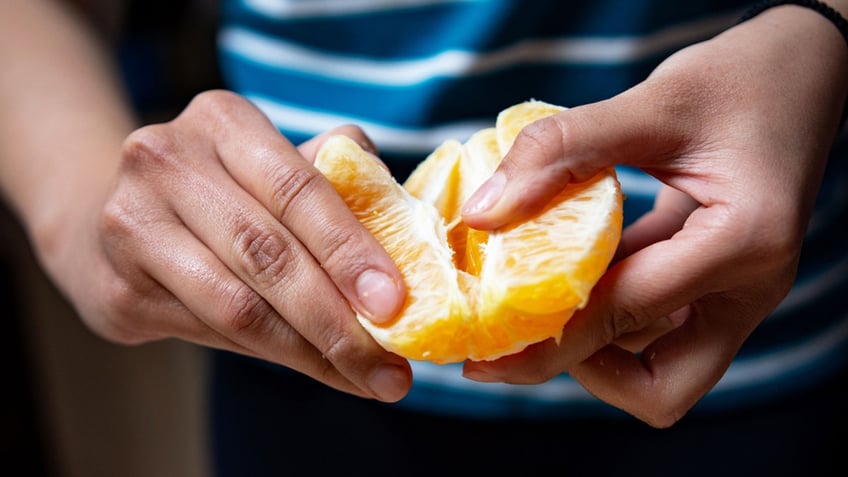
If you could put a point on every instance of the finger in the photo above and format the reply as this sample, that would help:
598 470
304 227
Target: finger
570 146
671 210
272 170
172 285
636 341
270 260
645 287
213 307
661 384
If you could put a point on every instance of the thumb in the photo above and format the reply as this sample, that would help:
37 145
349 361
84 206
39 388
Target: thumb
570 146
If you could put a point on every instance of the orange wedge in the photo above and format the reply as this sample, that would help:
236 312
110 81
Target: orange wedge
473 294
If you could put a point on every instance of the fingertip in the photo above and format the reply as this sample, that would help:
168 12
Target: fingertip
309 148
487 196
390 382
380 295
479 211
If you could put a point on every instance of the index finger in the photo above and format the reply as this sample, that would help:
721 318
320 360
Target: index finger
569 146
662 383
291 189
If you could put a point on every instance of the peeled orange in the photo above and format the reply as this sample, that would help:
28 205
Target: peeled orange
473 294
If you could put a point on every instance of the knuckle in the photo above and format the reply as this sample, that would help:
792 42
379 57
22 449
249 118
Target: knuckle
339 344
662 418
662 402
621 322
545 136
223 111
292 185
218 103
114 331
264 253
343 246
244 309
122 323
663 413
773 254
150 147
552 140
115 220
343 341
573 140
783 248
326 371
125 223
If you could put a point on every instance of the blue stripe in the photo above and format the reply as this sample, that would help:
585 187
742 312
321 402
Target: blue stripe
439 100
478 26
784 329
794 376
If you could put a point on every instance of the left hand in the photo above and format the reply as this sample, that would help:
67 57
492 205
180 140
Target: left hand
738 129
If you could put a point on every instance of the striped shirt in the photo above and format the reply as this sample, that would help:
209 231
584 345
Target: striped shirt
413 73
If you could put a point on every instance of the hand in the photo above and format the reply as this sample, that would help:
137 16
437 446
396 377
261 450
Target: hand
220 232
738 129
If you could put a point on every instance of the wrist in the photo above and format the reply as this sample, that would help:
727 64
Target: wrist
815 39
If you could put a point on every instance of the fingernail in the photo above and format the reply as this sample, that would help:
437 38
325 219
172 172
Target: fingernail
486 196
479 375
378 293
389 382
368 146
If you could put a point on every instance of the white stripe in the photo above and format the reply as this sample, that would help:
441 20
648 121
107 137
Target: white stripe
805 293
824 215
280 9
740 375
281 54
409 141
765 368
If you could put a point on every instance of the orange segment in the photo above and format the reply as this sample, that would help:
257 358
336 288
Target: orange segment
472 294
415 236
435 180
512 120
551 262
481 158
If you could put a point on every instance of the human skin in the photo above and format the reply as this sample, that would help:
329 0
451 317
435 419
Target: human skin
214 229
738 129
211 228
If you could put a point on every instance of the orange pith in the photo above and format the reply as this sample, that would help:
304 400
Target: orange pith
472 294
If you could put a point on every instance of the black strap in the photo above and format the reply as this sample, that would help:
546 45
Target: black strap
824 9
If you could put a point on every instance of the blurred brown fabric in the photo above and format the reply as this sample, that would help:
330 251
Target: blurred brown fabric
76 405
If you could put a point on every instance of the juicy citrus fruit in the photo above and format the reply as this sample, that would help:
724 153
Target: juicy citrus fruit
473 294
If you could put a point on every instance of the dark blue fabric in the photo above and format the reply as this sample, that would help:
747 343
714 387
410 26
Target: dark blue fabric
269 423
810 338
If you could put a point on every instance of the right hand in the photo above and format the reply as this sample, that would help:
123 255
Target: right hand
738 129
219 231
